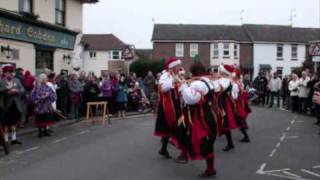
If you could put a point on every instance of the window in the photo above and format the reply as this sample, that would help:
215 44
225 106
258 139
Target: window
60 12
235 51
179 50
226 50
115 55
93 54
215 50
194 50
294 52
280 51
25 6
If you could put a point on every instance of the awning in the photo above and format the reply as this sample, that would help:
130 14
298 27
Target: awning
265 66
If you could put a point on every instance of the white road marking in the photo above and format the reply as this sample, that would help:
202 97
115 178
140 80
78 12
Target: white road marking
27 150
288 129
84 132
278 145
283 137
272 153
293 121
310 172
261 171
292 137
315 167
291 174
59 140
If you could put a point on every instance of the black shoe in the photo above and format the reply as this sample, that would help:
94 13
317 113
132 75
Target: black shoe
15 142
228 148
165 154
206 175
245 140
181 159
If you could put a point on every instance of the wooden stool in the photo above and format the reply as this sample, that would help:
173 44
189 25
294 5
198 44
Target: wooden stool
105 114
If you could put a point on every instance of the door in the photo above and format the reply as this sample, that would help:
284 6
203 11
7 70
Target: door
44 61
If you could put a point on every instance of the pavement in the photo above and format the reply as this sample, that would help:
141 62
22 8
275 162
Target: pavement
283 146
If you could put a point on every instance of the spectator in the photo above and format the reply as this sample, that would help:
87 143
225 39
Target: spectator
12 91
75 92
260 84
149 82
44 96
246 81
121 96
285 92
62 94
294 92
303 92
316 100
29 82
107 89
274 86
91 91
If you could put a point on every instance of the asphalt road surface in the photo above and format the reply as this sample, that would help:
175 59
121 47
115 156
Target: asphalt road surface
283 146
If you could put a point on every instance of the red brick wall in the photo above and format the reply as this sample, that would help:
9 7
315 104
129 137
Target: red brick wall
246 54
166 50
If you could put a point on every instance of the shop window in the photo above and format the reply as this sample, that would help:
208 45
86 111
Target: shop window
93 54
115 55
294 52
280 51
60 12
194 50
179 50
25 6
226 50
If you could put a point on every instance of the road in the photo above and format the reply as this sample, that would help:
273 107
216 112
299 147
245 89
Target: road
284 146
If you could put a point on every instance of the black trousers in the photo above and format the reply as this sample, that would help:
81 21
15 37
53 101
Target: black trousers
294 103
303 103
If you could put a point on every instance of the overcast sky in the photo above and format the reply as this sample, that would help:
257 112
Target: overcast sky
132 20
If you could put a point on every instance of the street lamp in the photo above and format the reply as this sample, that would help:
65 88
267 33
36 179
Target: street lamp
6 49
67 59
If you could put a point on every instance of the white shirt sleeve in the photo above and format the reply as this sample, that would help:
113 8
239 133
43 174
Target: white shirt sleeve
192 94
235 91
166 82
225 83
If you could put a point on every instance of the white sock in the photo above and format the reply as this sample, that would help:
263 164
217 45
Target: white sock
14 136
6 137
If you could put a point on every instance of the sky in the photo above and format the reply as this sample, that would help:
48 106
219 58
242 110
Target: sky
132 20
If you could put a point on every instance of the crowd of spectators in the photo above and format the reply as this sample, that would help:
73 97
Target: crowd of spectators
298 93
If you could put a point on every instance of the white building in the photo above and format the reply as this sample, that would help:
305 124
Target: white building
102 53
37 34
279 49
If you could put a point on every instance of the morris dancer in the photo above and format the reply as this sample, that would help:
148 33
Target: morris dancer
242 104
229 92
12 105
169 104
199 119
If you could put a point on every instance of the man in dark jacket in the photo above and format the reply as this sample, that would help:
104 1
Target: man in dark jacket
260 84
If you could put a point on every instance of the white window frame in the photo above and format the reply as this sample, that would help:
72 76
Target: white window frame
279 52
214 50
226 50
26 6
179 50
294 55
194 50
112 55
93 54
